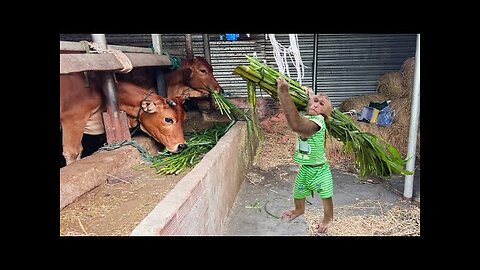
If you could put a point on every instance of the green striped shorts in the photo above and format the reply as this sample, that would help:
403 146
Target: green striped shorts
313 178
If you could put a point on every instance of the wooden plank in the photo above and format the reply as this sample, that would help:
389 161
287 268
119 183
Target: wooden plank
116 130
142 59
107 62
77 47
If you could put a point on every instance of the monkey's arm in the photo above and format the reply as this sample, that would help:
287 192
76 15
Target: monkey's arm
301 125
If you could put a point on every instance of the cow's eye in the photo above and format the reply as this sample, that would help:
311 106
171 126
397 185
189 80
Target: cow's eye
169 120
204 71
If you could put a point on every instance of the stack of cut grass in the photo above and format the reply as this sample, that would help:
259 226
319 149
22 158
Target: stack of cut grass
198 144
373 156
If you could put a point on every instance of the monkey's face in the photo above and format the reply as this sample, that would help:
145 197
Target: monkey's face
319 104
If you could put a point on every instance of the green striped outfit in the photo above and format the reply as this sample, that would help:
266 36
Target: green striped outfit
314 173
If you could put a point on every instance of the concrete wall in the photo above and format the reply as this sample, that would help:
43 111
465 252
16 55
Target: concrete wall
200 203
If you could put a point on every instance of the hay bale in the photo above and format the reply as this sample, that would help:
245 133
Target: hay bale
390 84
408 73
402 108
357 103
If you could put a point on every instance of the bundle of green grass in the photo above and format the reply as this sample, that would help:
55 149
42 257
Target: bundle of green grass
373 156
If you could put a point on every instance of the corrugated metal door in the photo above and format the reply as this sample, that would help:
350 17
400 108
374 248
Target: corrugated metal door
226 55
349 65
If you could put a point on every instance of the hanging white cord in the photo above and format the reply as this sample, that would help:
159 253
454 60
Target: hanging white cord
295 50
280 53
277 50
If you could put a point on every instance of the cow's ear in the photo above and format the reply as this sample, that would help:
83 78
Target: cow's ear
186 74
149 106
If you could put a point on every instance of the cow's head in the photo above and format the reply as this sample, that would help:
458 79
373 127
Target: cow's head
198 74
162 118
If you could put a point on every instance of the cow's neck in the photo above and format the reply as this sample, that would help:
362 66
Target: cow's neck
178 90
130 100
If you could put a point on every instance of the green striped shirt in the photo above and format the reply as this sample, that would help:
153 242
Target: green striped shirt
312 151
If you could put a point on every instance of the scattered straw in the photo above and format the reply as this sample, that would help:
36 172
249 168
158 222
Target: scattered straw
80 234
254 178
370 218
278 145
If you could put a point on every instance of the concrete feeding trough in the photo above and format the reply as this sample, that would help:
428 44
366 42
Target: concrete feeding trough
198 204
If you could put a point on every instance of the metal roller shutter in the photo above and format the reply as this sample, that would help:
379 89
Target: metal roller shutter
349 65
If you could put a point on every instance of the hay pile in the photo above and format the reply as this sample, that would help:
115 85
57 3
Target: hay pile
408 72
391 85
397 87
370 218
357 103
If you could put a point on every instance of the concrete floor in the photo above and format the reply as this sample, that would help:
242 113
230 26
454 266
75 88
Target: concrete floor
264 195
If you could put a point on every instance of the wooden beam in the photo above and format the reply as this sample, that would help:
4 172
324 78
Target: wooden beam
108 62
77 47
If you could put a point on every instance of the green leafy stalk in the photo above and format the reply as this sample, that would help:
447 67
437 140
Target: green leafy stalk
198 144
373 156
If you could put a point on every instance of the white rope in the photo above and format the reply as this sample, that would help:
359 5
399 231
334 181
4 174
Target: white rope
280 53
121 57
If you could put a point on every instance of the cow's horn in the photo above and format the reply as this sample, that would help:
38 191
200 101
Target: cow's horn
171 102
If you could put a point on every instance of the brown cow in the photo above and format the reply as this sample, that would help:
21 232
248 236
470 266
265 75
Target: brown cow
159 117
194 78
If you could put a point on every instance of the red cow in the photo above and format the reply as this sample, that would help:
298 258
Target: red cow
159 117
194 78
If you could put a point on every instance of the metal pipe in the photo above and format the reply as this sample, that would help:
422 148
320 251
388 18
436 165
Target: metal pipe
116 123
412 135
315 53
108 82
157 49
206 48
157 43
188 46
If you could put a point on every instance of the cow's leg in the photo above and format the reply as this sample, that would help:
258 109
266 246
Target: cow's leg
72 140
205 105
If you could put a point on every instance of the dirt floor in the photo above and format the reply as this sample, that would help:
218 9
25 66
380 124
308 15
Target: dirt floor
118 206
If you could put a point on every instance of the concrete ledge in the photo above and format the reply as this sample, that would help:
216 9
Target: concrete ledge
200 203
84 175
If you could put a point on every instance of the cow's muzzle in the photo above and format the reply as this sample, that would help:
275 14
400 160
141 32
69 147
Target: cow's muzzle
181 147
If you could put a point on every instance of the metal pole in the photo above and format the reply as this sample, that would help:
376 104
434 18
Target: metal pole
108 83
206 48
412 135
188 46
157 49
116 127
315 53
